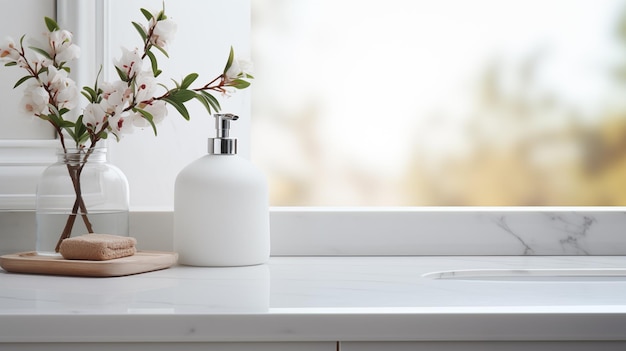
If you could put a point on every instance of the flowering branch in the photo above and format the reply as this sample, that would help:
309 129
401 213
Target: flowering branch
113 107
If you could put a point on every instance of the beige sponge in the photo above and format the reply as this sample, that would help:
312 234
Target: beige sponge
97 247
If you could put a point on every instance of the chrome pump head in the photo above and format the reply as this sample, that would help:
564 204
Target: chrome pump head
223 144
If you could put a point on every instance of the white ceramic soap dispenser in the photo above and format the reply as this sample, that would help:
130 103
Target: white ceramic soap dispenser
221 207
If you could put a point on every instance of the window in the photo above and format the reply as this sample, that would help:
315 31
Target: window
440 103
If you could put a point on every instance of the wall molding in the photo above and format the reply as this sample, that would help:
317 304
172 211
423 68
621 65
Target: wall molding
21 164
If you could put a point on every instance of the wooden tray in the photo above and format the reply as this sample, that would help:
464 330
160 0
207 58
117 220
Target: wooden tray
142 261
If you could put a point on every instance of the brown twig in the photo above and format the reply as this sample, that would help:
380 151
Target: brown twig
79 203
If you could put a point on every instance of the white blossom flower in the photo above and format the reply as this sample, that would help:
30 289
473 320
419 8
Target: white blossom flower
116 95
158 110
53 77
238 69
61 46
68 94
120 125
69 53
94 115
145 86
35 99
8 51
62 88
130 62
163 33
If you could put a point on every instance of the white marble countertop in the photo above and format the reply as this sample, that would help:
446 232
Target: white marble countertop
321 298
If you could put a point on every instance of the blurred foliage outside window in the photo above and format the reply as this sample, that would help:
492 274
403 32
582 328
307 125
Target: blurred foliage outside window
440 102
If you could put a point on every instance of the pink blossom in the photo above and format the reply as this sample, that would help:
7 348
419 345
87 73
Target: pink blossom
94 115
62 88
163 33
130 62
120 125
35 99
61 47
8 51
116 95
145 86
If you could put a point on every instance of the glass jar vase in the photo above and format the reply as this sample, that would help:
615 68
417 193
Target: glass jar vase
81 193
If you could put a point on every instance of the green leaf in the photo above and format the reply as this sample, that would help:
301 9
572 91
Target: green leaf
71 133
161 16
182 95
212 100
80 127
63 111
117 138
179 106
43 52
54 110
146 14
148 116
91 94
163 86
177 86
188 80
80 131
53 117
231 58
51 24
22 80
162 50
94 94
56 118
153 61
204 102
122 74
95 85
12 63
239 84
67 124
79 139
139 29
87 96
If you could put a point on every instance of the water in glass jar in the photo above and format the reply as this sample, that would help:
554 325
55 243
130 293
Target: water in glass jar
50 226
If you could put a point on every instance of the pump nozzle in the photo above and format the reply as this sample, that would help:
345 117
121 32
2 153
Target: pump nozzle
222 123
222 143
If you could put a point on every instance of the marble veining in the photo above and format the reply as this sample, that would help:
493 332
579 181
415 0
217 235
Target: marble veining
452 231
559 233
568 229
501 222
